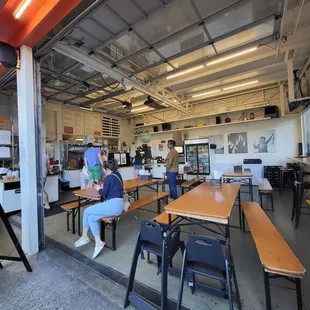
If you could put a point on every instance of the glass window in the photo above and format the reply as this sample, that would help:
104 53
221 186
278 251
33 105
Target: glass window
246 36
57 62
173 19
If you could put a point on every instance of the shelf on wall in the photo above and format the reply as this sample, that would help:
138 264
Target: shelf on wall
211 114
206 126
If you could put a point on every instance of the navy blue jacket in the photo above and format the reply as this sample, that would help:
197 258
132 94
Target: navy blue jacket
112 187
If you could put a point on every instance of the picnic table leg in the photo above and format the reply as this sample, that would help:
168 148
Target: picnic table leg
158 206
114 223
239 206
73 221
251 188
79 217
267 290
137 193
102 231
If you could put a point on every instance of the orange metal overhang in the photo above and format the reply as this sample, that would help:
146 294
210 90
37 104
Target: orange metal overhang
39 18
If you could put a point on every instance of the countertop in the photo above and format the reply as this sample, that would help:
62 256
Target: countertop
10 180
305 160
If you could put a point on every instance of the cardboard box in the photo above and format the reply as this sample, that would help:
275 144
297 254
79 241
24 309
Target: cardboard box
5 124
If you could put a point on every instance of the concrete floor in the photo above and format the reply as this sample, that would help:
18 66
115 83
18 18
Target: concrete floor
57 282
248 267
64 278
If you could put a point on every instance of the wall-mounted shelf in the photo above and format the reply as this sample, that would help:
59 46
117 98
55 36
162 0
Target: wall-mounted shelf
207 115
206 126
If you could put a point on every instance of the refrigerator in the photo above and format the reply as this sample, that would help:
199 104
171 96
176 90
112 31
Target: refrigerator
197 154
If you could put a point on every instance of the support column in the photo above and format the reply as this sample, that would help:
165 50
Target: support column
282 105
290 79
27 150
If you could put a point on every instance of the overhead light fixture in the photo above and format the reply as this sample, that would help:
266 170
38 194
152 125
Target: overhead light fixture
184 72
21 9
232 56
79 139
140 109
240 85
207 93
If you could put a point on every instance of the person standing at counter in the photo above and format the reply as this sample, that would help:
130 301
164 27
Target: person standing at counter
93 162
172 169
138 161
113 205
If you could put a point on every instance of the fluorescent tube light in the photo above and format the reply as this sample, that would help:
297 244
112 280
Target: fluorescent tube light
21 9
240 85
140 109
87 109
232 56
207 93
79 139
184 72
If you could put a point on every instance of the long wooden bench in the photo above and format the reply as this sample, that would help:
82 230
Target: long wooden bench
265 189
190 184
164 218
112 221
277 258
71 208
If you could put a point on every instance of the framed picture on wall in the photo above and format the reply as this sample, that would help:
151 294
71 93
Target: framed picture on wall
238 143
219 142
264 141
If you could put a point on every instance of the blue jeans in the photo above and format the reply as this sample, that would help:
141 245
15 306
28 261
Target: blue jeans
172 181
93 214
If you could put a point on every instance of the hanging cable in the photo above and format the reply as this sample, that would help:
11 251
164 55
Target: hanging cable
108 84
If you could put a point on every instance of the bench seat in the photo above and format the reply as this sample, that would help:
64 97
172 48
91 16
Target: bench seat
72 205
274 253
138 204
164 218
264 185
189 184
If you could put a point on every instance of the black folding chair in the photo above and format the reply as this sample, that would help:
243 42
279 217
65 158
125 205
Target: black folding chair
163 241
300 188
204 256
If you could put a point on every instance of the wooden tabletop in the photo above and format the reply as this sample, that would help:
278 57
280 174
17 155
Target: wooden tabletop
245 173
206 202
136 183
274 253
91 193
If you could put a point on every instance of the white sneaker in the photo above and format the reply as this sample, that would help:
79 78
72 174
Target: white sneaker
97 250
46 207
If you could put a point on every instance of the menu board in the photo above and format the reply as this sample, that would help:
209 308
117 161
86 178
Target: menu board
73 121
93 124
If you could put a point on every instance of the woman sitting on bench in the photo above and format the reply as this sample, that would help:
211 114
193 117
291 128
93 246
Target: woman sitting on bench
112 191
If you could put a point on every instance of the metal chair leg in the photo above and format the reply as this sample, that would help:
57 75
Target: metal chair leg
234 277
261 199
229 286
102 231
164 278
132 272
183 273
73 221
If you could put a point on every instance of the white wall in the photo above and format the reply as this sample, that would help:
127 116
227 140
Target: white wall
287 131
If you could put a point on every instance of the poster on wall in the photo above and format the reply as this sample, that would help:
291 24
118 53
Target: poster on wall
238 143
219 142
264 141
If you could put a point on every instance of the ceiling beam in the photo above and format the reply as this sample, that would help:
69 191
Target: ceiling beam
305 67
116 74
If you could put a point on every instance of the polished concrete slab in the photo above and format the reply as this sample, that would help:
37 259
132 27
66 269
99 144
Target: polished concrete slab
248 267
